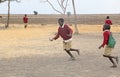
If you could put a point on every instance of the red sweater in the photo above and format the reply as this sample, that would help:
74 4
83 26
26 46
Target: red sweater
108 21
64 32
106 37
25 19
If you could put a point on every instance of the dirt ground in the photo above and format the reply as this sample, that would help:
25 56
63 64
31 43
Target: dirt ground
29 53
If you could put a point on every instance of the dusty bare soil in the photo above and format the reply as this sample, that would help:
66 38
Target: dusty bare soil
29 53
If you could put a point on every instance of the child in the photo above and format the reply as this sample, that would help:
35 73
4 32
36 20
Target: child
108 21
108 50
25 20
66 33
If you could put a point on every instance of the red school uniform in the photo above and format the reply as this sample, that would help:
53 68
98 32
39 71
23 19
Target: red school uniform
108 21
25 19
106 34
64 31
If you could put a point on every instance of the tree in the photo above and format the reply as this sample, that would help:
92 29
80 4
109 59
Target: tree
8 18
75 18
62 4
10 0
7 25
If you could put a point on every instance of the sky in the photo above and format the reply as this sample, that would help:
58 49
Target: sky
82 7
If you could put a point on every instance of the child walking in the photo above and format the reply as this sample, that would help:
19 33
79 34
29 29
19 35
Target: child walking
66 33
108 50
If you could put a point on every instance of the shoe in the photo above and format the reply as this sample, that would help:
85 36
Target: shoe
117 59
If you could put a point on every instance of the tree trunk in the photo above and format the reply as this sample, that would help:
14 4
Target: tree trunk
75 18
8 19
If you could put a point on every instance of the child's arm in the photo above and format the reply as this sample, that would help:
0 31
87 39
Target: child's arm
100 47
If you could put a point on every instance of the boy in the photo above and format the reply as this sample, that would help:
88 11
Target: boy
108 50
66 33
25 20
108 21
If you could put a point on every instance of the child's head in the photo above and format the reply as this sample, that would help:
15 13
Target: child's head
106 27
25 15
107 17
60 21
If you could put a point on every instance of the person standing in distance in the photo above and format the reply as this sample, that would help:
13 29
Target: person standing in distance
108 21
66 33
25 20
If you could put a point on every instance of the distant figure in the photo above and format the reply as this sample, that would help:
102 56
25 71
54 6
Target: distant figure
108 50
25 20
0 18
66 33
108 21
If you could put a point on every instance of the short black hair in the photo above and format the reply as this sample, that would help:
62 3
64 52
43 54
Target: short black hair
25 14
61 19
106 27
107 17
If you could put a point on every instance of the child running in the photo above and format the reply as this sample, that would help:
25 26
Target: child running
108 50
66 33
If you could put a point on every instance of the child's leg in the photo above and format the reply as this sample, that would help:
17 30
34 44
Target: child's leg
116 58
69 53
67 46
75 50
114 65
110 58
107 54
25 25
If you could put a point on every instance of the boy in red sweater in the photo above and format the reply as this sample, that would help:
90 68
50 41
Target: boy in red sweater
66 33
108 21
108 50
25 20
